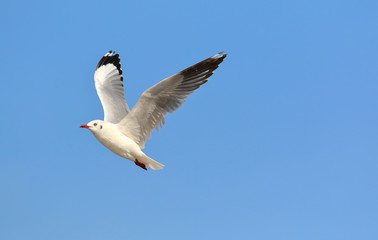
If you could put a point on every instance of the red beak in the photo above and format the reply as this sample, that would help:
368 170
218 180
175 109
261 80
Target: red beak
84 126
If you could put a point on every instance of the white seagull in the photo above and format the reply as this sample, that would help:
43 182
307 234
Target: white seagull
125 132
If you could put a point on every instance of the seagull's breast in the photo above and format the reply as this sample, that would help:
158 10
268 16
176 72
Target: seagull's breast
118 143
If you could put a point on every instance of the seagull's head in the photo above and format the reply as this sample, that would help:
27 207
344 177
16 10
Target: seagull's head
93 126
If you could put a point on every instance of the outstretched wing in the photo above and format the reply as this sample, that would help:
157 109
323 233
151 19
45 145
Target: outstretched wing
165 97
109 85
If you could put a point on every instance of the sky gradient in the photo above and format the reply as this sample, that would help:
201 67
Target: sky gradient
281 143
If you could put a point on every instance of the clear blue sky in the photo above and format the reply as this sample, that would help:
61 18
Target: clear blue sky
281 143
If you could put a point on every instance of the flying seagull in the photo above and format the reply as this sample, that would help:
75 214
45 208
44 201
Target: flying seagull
125 132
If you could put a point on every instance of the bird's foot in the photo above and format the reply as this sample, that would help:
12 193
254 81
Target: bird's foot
140 164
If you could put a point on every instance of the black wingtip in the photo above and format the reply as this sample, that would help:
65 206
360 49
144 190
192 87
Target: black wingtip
110 58
220 55
209 64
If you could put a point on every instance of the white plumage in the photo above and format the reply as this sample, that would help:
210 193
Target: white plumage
109 85
125 132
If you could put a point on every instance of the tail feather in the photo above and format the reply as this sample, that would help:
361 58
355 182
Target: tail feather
150 163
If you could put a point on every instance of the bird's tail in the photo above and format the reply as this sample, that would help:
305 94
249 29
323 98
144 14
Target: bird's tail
150 163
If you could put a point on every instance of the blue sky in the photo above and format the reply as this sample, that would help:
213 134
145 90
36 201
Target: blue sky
281 143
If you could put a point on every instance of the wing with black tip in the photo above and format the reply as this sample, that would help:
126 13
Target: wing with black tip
166 97
109 85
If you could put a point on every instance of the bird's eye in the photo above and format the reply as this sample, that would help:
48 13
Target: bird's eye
100 126
94 124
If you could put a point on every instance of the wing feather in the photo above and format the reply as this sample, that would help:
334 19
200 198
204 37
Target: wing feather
109 85
166 97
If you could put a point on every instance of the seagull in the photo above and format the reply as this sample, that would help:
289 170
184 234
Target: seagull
125 132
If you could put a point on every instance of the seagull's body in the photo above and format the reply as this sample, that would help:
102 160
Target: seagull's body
111 137
125 132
